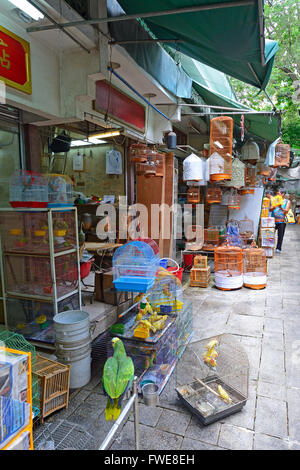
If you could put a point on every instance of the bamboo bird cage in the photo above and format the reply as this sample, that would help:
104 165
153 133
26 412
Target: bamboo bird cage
228 267
213 195
282 155
255 267
220 148
138 153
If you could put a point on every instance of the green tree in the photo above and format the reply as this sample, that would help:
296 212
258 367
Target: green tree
282 24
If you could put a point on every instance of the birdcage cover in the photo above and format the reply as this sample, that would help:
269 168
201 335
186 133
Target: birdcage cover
192 168
250 151
134 267
166 293
237 174
212 377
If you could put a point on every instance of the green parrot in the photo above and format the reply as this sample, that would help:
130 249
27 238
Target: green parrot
117 377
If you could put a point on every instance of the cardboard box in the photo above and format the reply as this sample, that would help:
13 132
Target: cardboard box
105 290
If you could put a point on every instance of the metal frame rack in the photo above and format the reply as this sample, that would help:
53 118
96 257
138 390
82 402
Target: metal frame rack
52 256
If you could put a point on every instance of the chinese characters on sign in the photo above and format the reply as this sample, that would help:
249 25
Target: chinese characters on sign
15 61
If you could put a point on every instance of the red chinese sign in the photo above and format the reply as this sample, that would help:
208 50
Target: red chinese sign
118 105
15 61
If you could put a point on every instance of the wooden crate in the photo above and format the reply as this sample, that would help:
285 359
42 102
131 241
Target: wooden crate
54 383
200 261
200 277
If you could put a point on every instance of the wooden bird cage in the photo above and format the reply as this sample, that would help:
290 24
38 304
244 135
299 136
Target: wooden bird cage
158 160
213 195
220 148
262 169
138 153
246 228
234 200
282 155
255 267
211 235
264 212
244 191
150 169
200 261
193 195
266 202
228 267
250 176
140 168
200 277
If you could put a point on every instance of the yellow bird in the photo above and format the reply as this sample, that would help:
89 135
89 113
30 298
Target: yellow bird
224 395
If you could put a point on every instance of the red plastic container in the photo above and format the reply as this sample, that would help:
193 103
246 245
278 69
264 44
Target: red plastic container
188 261
178 273
85 268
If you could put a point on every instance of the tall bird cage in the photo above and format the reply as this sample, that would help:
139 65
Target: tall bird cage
157 160
255 267
250 180
246 228
282 155
220 148
212 378
228 267
213 195
250 152
138 153
233 200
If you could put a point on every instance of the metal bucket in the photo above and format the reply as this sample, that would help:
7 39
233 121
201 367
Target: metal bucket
72 325
73 345
150 394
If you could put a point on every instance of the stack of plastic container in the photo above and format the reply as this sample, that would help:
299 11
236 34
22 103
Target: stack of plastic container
15 400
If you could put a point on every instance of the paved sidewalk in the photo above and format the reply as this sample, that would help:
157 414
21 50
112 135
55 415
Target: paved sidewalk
267 323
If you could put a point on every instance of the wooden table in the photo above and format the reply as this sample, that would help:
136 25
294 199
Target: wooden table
100 249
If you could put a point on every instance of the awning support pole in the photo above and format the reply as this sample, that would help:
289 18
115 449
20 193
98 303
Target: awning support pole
137 93
175 11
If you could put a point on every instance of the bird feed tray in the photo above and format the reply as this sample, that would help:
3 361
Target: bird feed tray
206 405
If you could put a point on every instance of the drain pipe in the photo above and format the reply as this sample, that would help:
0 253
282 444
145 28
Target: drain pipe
136 92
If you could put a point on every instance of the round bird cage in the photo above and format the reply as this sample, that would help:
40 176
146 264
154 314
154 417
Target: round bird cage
193 195
234 200
255 267
220 148
212 378
138 153
237 174
282 155
228 267
213 195
250 152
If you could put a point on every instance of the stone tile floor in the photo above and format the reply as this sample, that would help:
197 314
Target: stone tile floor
267 323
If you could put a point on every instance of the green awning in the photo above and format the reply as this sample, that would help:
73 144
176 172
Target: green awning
214 87
227 39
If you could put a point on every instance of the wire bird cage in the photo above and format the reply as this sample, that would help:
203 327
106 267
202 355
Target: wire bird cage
134 267
213 195
234 200
212 378
246 228
255 267
282 155
193 195
228 267
220 148
237 174
12 340
27 189
166 294
138 153
60 190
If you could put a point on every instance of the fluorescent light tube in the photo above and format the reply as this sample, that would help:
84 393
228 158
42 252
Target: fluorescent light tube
28 9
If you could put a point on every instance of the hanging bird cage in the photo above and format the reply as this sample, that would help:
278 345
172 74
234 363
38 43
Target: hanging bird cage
138 153
250 176
193 195
246 228
234 200
213 195
212 377
192 168
263 169
150 168
220 148
228 267
140 168
237 174
156 159
245 191
250 152
255 267
282 155
266 202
